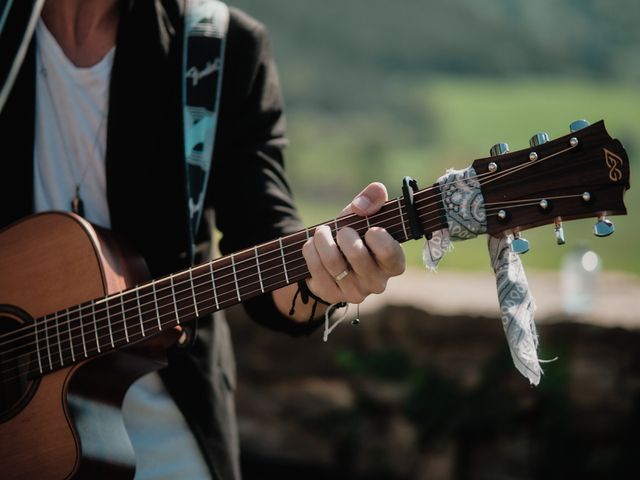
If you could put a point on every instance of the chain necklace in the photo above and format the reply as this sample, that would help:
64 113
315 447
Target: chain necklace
77 205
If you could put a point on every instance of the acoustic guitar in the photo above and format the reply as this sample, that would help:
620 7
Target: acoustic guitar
77 310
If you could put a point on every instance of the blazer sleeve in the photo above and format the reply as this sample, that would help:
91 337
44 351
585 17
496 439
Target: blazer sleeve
249 190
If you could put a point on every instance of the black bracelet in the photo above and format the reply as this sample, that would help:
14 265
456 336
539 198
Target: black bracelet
305 295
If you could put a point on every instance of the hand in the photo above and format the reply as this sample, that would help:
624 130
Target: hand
348 269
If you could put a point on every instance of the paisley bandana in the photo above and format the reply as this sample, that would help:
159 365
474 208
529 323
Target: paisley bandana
464 206
466 217
517 308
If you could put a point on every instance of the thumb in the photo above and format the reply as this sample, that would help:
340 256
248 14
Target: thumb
368 201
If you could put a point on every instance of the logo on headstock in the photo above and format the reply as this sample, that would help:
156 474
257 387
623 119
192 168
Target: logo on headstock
614 162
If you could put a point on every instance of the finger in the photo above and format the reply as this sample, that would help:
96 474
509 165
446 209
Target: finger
321 282
386 251
368 201
330 255
340 274
357 254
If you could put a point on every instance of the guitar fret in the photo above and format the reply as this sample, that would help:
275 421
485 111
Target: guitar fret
95 324
368 224
284 263
35 323
73 355
140 312
55 318
271 265
106 305
193 293
255 249
81 320
46 337
155 301
213 286
235 277
124 318
402 220
173 295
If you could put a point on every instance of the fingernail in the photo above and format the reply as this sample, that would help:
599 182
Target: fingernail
362 202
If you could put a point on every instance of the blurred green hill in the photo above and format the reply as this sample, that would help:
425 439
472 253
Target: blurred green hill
378 90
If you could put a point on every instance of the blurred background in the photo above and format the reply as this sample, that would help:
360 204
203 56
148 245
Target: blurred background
425 387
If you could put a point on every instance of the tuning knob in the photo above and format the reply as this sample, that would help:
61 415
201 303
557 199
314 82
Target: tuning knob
499 149
578 125
559 231
538 139
603 227
519 244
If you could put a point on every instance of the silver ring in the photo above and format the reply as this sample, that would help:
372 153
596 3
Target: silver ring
341 275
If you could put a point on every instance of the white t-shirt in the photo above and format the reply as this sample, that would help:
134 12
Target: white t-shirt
68 152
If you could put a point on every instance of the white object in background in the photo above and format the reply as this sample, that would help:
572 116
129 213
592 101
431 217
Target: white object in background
580 270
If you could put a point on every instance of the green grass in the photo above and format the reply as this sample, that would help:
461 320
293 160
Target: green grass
469 115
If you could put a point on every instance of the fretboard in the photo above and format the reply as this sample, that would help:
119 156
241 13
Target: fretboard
106 324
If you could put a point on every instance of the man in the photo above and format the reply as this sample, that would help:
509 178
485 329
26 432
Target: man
94 114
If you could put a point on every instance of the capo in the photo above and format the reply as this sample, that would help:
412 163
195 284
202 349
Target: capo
409 187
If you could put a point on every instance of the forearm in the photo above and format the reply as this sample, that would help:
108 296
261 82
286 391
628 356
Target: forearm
283 299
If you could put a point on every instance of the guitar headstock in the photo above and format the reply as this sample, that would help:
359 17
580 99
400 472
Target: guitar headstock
582 174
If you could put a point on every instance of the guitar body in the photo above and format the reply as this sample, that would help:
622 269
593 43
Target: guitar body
68 423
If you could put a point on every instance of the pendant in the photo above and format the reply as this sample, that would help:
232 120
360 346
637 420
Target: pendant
77 206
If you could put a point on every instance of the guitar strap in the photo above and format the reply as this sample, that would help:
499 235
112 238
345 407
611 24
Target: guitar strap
206 25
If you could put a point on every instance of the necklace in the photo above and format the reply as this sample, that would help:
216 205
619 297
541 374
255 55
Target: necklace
76 204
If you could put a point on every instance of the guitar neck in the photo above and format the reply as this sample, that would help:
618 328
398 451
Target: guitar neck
106 324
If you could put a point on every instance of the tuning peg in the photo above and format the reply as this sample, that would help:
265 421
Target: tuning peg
499 149
578 125
603 227
538 139
519 244
559 231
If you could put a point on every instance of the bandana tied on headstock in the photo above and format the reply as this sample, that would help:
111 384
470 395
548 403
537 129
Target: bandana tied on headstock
466 217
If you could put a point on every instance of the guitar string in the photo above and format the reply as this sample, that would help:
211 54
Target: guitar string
68 312
346 217
530 202
46 328
508 202
122 322
105 300
523 166
133 338
124 329
360 219
276 256
53 321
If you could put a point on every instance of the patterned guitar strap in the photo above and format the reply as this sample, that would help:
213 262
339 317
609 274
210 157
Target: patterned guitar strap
467 218
206 24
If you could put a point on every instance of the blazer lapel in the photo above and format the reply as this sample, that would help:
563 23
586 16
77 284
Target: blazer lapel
145 165
17 121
